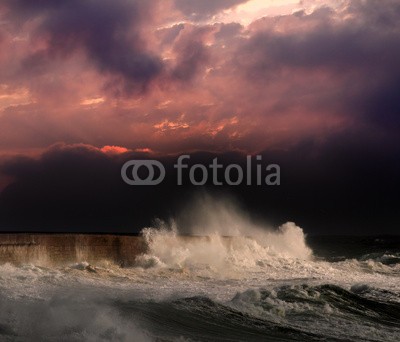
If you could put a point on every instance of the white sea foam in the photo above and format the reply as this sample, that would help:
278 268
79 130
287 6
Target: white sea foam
246 266
225 238
167 248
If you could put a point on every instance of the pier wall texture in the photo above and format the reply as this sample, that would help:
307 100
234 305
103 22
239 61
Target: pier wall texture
55 249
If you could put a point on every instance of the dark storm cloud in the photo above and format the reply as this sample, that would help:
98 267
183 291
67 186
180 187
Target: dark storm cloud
191 52
213 85
361 52
227 31
345 186
74 188
109 32
116 37
198 10
320 41
168 35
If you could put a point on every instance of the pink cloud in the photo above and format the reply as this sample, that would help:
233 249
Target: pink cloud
169 84
114 149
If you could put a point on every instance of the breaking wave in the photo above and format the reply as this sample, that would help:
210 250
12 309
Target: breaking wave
213 275
280 313
225 238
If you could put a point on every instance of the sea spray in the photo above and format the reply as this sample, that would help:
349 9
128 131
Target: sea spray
222 238
167 247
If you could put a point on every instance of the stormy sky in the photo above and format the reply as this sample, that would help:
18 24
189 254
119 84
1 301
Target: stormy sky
311 85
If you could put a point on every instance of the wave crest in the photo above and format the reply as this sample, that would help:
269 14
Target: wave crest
257 248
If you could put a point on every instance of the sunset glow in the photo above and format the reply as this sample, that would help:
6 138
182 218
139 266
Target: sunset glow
248 61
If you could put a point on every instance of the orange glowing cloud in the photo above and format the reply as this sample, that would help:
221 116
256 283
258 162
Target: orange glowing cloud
114 149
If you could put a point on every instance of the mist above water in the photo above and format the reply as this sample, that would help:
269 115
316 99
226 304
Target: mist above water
226 237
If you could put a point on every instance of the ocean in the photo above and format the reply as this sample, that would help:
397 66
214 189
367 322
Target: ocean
252 286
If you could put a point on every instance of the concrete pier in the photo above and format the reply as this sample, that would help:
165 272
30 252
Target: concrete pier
56 249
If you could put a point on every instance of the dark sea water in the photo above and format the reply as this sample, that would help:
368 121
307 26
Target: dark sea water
259 286
335 248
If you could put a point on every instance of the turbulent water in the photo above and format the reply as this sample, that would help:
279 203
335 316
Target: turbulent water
253 286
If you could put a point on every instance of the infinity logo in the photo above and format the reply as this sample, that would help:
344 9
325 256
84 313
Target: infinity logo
137 164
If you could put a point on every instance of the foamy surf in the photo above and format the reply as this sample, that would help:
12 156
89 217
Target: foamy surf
167 248
257 284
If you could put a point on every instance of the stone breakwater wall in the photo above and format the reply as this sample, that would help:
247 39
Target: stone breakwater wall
58 249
